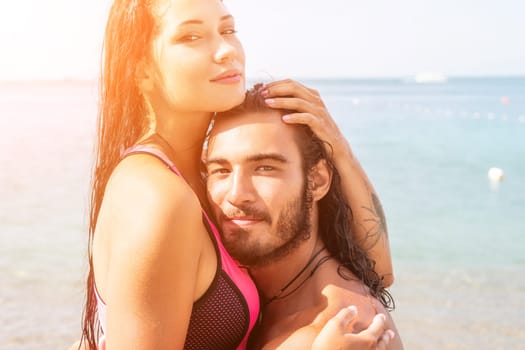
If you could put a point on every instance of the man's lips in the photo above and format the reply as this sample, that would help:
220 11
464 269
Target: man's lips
242 220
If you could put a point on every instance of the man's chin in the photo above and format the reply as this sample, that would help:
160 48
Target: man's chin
245 252
255 255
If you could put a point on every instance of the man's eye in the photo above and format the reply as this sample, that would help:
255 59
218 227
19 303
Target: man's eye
218 171
265 168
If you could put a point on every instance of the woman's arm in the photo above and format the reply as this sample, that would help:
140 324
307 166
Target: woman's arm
152 218
333 334
369 223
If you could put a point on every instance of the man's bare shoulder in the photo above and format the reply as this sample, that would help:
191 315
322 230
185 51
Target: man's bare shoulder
300 338
298 331
357 293
338 294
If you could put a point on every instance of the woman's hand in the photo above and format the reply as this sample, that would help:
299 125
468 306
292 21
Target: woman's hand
311 111
334 336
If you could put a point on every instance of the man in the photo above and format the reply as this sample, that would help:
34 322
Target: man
279 203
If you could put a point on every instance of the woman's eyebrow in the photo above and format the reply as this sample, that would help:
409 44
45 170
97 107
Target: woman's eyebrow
198 21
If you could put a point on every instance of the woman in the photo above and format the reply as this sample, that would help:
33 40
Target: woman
157 267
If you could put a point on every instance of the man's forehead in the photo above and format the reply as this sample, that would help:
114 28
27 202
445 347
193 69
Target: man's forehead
246 119
250 133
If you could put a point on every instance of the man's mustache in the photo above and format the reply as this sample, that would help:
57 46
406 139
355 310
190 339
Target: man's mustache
247 211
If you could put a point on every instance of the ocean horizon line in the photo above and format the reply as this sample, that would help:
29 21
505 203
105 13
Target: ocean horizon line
405 78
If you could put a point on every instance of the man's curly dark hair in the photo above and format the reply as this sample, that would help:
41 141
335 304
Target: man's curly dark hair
335 214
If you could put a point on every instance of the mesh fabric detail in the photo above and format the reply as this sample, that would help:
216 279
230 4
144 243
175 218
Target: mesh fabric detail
220 322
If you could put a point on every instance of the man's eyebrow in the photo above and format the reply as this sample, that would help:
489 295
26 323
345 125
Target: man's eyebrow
267 156
198 21
253 158
220 161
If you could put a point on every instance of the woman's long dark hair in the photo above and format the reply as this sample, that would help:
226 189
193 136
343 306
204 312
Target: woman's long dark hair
335 214
121 118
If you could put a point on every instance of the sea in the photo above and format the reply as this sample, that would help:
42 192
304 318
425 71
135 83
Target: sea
457 237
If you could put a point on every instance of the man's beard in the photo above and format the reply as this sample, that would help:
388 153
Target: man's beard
293 227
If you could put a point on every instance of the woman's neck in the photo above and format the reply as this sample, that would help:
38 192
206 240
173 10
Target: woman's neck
185 134
183 131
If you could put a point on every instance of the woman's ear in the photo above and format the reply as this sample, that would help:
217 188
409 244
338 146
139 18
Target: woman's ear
144 77
320 179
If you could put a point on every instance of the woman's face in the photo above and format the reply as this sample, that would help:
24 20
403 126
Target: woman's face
198 59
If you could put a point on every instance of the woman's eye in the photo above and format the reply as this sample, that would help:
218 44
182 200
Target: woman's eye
229 31
189 38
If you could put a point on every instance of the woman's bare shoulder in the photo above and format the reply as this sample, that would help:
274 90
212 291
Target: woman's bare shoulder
148 176
152 220
145 203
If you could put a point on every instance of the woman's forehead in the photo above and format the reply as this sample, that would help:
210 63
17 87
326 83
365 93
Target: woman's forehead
176 12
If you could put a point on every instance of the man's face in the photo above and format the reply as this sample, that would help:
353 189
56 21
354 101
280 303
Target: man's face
257 188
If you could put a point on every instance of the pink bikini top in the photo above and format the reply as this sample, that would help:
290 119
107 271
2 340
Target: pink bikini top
227 312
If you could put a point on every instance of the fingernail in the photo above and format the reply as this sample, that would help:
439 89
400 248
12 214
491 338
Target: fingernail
264 93
391 334
352 309
285 118
269 101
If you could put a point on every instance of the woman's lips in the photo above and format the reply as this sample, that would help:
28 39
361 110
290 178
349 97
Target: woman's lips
228 77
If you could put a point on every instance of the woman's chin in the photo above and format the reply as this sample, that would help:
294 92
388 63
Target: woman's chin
228 104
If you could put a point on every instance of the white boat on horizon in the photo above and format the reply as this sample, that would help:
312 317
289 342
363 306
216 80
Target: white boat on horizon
430 78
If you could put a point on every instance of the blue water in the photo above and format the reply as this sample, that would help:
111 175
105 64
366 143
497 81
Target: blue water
427 148
456 239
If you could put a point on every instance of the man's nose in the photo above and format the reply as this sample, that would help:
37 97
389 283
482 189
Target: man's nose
241 189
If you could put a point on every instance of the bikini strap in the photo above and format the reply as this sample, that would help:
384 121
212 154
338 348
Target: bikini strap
137 149
144 149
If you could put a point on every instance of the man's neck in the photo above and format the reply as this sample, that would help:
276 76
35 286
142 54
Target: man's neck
287 275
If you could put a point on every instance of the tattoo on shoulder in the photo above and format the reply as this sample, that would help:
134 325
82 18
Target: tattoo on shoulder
378 228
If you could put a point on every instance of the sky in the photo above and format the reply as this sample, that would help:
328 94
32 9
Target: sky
61 39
